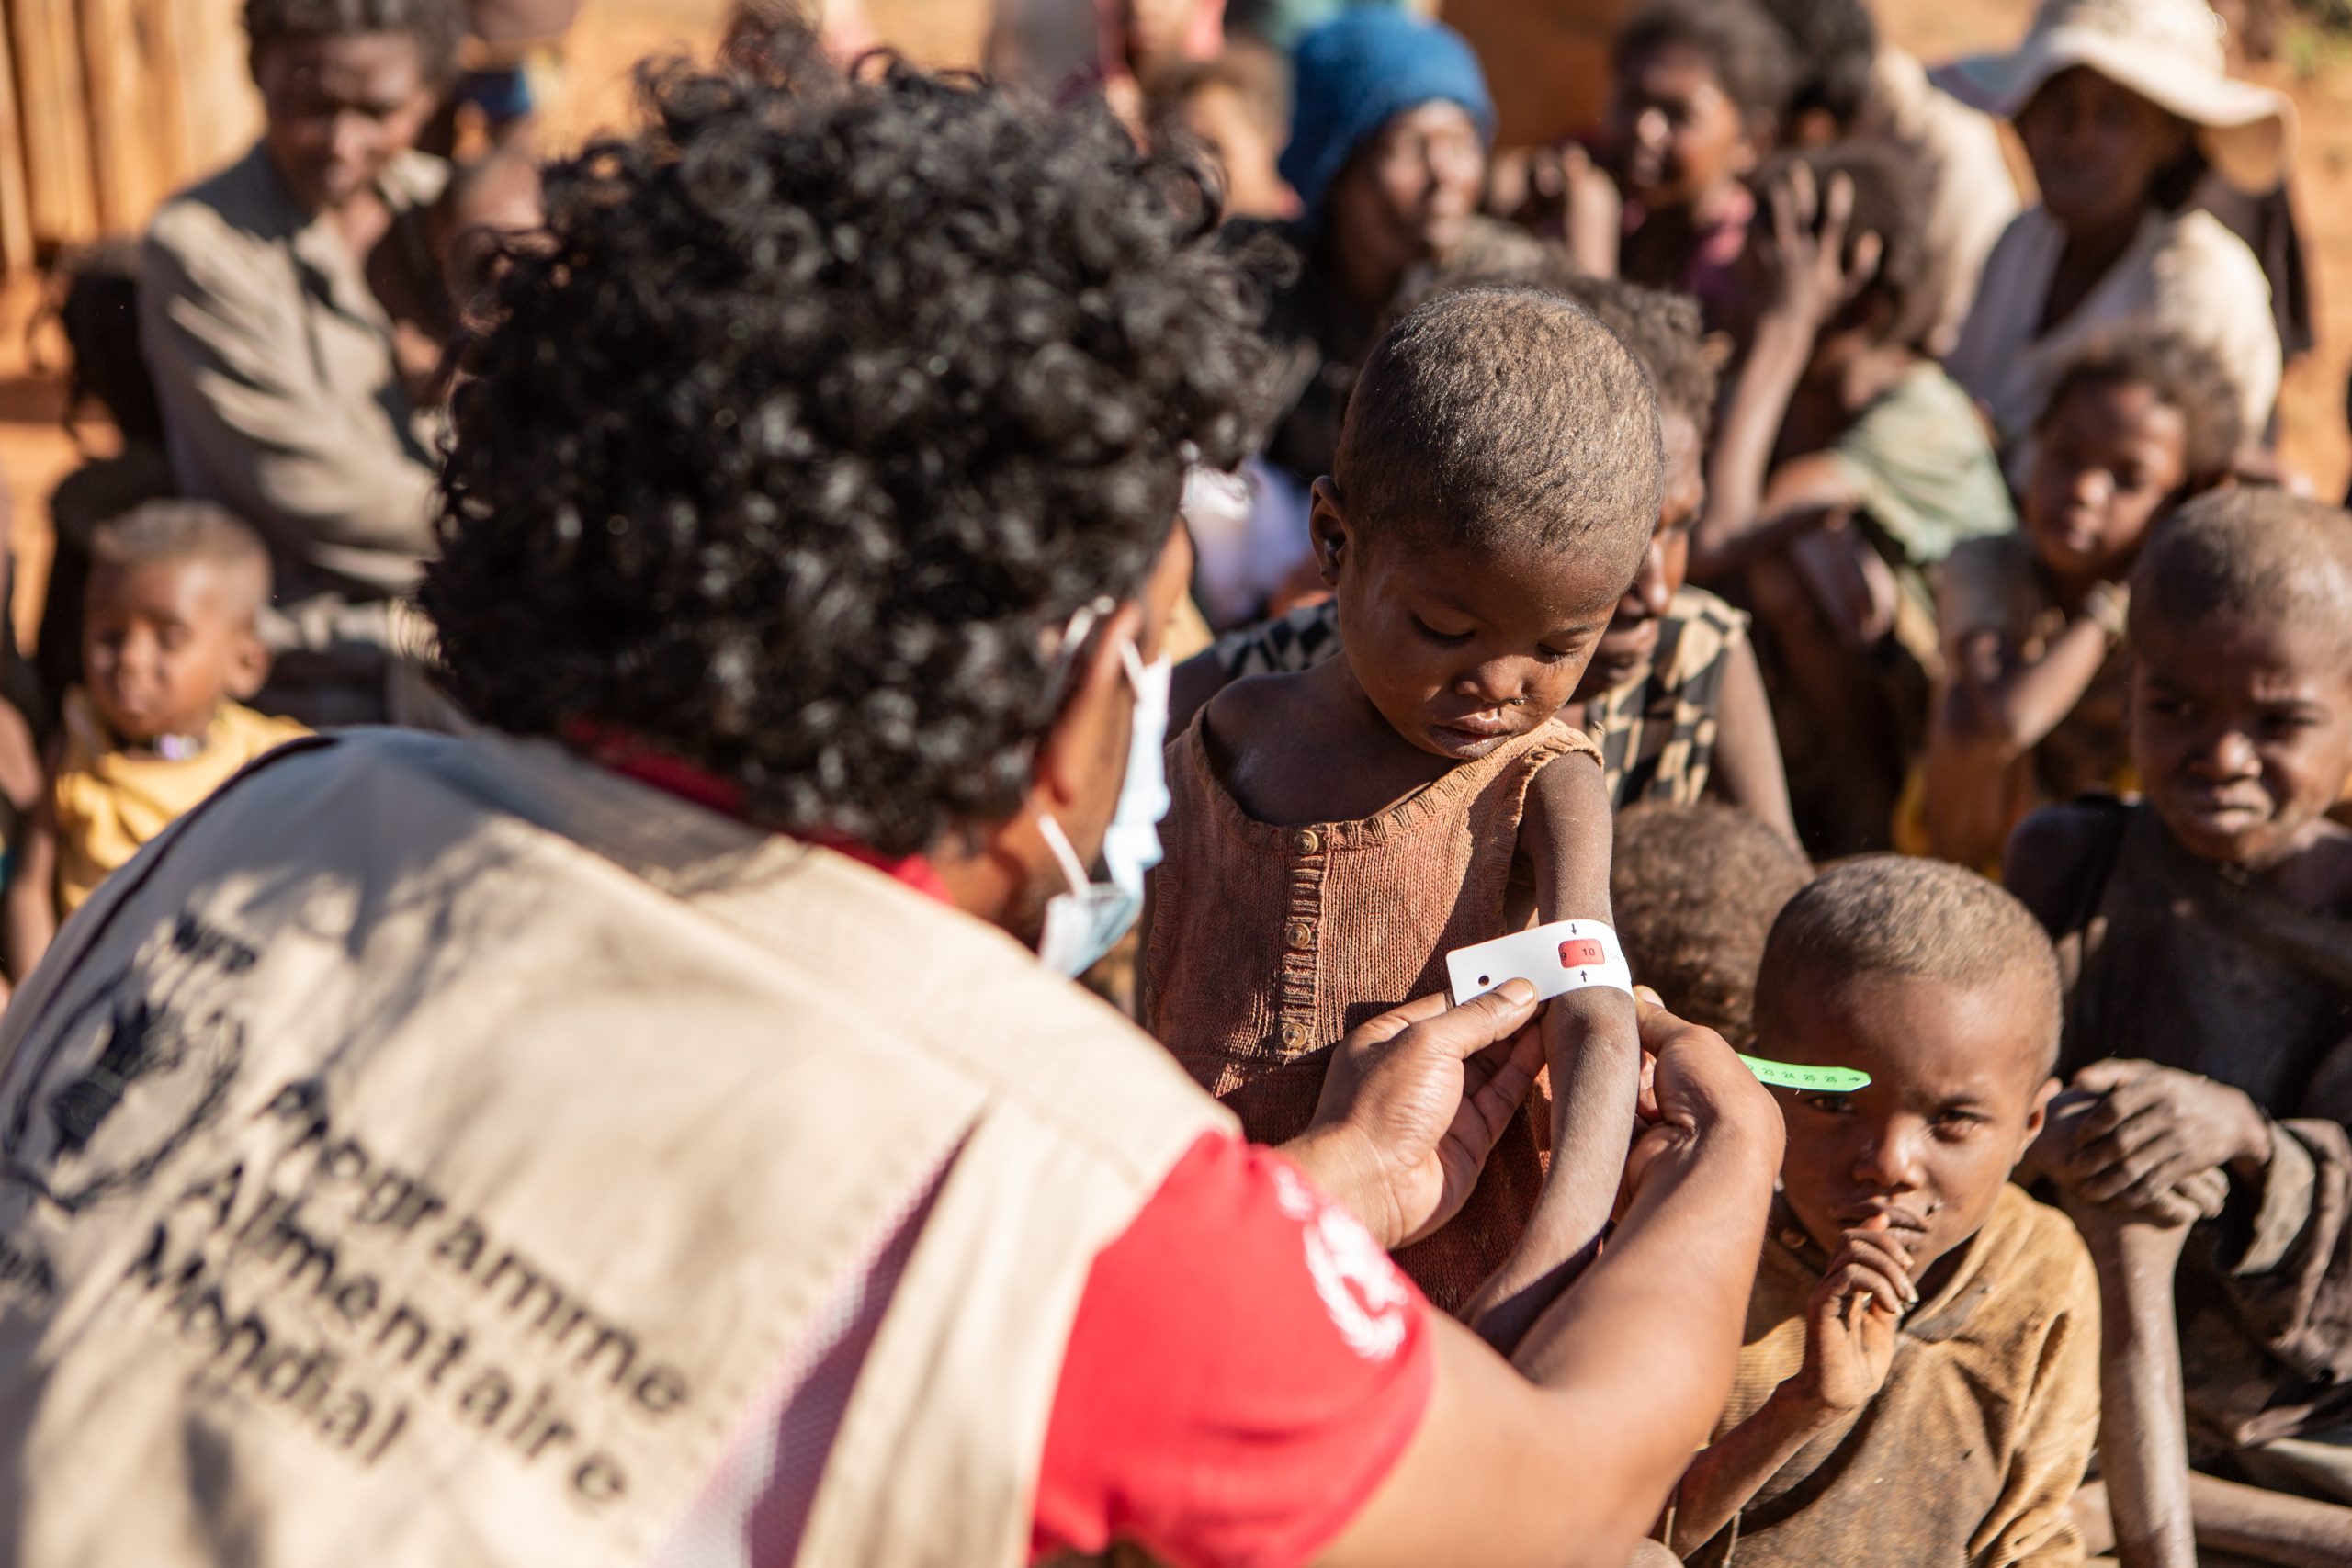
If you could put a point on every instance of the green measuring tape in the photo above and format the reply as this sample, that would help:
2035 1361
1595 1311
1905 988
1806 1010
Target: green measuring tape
1822 1080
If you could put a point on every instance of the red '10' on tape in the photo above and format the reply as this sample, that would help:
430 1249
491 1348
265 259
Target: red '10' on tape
1582 954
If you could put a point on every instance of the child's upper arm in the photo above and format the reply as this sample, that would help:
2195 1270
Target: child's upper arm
1565 833
2048 858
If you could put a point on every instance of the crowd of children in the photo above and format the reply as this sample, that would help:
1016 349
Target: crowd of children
1755 482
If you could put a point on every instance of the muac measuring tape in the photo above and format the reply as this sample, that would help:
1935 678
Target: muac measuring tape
1570 955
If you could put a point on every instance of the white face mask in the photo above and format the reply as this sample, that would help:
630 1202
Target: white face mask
1086 922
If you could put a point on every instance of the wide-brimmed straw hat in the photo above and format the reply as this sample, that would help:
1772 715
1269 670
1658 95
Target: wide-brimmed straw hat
2168 51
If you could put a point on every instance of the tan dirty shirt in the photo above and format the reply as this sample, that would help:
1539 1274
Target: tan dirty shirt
281 398
1970 1452
1268 943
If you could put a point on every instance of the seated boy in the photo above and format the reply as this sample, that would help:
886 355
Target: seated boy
1849 468
2207 935
168 645
1919 1381
1695 889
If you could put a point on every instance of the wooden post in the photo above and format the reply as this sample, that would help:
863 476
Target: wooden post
56 115
16 209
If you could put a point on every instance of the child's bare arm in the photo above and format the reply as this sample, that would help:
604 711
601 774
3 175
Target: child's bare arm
32 892
1815 272
1850 1327
1593 1046
2014 702
1747 769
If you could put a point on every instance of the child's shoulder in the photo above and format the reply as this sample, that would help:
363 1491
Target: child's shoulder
2058 853
2034 1256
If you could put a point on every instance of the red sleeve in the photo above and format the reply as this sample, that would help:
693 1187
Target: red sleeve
1246 1368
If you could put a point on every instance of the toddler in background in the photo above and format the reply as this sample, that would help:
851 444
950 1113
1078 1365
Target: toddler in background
1695 105
1919 1380
168 646
2031 707
2207 935
1336 832
1696 889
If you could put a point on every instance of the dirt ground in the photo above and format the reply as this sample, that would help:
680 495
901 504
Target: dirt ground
614 34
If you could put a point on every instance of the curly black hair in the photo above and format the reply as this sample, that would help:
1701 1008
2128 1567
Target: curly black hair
1834 44
1748 54
438 25
2182 375
1695 890
815 416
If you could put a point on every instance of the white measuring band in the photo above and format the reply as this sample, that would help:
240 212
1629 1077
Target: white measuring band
1566 955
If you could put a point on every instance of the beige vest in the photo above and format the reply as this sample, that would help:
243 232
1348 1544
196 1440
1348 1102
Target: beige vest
426 1154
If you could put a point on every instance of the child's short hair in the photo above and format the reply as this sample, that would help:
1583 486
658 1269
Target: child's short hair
2248 553
1835 44
2183 373
1899 914
1497 415
1662 329
167 532
1887 203
1694 890
437 26
1666 336
1747 53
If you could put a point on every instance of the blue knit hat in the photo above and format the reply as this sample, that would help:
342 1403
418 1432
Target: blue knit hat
1357 73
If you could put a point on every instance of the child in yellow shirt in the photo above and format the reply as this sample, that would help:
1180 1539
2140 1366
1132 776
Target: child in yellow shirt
169 644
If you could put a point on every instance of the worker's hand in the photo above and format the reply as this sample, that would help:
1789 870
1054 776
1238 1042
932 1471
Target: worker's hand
1413 1103
1694 1088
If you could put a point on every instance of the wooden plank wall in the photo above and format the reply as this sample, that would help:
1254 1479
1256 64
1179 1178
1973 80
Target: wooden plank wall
109 106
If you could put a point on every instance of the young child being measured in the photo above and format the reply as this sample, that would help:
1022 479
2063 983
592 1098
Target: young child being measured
1920 1378
2207 933
1337 830
168 645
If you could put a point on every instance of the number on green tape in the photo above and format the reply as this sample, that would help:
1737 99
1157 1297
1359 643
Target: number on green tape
1821 1080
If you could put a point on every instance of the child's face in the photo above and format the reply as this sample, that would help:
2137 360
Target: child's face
2107 463
1461 652
2095 147
2242 732
1226 128
1677 135
1408 195
1957 1092
1631 637
163 644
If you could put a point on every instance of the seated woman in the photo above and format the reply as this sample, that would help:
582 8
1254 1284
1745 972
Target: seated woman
280 311
2123 109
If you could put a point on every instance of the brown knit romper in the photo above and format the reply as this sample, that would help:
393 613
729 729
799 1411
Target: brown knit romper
1268 943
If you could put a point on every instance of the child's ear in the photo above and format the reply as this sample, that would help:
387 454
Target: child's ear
248 666
1326 526
2038 1115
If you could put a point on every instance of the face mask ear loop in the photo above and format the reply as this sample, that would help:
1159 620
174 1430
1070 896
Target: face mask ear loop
1058 841
1133 659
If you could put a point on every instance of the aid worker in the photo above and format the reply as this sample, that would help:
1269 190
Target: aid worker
659 1130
